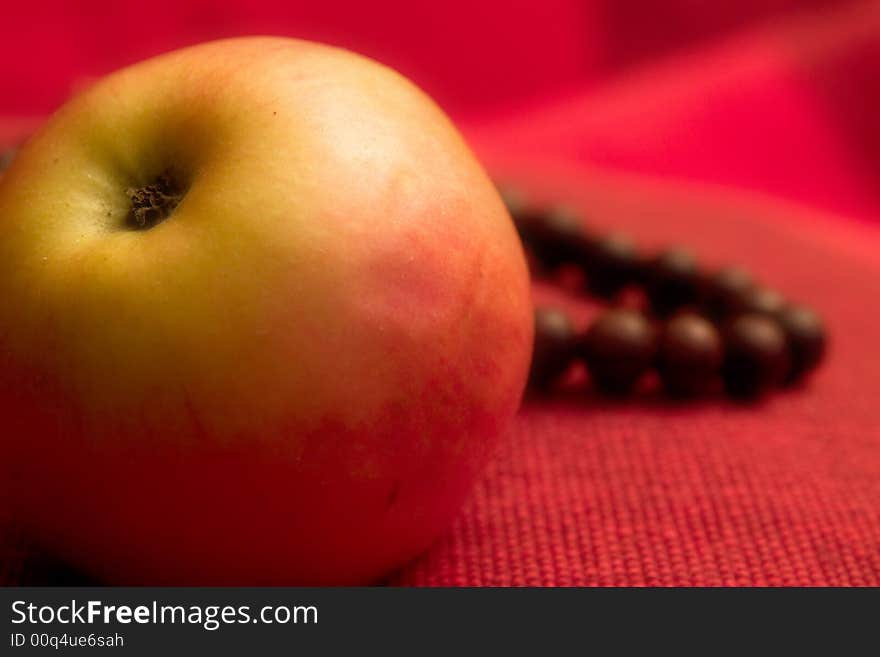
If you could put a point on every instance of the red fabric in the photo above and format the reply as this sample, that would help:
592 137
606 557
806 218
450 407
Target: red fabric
467 54
648 492
756 143
788 109
470 55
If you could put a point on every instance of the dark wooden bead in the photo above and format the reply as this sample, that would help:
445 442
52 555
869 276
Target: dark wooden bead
806 337
556 236
723 290
519 209
610 263
515 199
618 349
671 280
689 355
761 300
526 216
553 347
756 355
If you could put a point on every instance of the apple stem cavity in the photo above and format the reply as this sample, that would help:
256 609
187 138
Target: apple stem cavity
153 203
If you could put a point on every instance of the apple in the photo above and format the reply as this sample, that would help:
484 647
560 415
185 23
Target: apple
263 318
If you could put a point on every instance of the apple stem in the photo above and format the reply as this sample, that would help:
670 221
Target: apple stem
153 203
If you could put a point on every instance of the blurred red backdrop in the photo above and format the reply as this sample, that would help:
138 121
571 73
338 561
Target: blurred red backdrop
771 95
471 55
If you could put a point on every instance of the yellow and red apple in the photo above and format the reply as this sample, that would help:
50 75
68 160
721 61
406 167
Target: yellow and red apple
263 317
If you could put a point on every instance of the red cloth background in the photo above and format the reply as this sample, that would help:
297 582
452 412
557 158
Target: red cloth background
746 129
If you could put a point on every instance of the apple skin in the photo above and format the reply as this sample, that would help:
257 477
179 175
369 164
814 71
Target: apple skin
295 378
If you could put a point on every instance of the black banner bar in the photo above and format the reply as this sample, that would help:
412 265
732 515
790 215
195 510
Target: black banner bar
263 621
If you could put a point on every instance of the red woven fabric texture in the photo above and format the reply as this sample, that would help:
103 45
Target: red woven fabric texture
646 492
